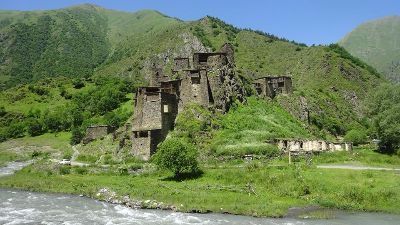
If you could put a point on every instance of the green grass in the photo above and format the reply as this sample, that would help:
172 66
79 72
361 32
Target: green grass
248 127
23 148
6 157
250 190
364 155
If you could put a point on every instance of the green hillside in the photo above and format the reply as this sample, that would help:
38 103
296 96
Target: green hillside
378 43
43 53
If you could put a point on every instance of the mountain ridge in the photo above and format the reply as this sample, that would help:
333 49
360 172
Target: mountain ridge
377 42
82 43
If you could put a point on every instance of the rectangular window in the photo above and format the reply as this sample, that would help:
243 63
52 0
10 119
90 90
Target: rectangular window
165 109
143 134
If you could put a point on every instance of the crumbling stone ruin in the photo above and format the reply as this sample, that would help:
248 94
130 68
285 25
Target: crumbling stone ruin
289 145
210 82
271 86
96 132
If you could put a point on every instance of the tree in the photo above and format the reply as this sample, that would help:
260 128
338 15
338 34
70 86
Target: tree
356 136
178 156
77 135
15 130
35 127
384 110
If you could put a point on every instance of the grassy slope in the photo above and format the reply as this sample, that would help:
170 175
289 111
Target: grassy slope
22 148
133 39
377 43
70 42
324 77
246 128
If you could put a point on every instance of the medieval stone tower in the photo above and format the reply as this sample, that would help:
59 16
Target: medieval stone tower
210 82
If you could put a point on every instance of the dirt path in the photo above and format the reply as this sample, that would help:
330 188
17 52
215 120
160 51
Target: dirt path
352 167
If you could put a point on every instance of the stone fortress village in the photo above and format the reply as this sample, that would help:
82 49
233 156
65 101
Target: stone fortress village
209 80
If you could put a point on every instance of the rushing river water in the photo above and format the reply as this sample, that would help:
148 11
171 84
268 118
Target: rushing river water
20 207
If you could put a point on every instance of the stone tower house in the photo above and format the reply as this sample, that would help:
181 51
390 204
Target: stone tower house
210 82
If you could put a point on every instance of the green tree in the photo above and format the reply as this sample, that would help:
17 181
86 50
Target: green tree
178 156
356 136
384 110
15 130
35 127
77 135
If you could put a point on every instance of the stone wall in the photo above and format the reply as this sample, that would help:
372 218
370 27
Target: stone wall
273 85
181 64
312 145
147 112
95 132
194 89
154 116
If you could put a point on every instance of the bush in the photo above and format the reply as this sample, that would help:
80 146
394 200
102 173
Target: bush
78 84
2 111
87 158
81 170
64 170
77 135
35 154
35 127
178 156
356 136
15 130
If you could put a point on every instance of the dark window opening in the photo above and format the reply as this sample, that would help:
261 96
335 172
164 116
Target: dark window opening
143 134
195 80
203 58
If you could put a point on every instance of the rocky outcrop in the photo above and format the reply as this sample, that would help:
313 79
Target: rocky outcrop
107 195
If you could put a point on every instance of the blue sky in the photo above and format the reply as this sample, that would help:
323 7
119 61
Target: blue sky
306 21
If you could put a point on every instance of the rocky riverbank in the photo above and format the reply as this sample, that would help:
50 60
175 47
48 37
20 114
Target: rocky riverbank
107 195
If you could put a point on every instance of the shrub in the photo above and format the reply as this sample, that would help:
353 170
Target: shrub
15 130
356 136
78 83
77 135
2 111
64 170
81 170
35 127
67 155
35 154
177 155
87 158
122 170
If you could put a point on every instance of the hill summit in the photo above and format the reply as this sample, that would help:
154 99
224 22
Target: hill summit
377 42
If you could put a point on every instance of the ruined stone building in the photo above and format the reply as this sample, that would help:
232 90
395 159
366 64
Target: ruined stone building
96 132
293 145
154 116
272 86
210 82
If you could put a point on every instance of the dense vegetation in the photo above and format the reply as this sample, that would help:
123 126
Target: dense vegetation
77 104
384 109
90 42
69 42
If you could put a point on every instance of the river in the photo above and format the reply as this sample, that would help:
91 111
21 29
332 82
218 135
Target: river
22 207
